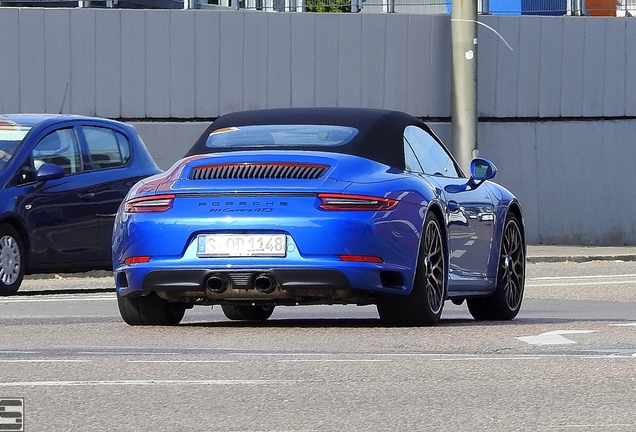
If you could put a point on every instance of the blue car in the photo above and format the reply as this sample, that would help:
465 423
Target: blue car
306 206
62 179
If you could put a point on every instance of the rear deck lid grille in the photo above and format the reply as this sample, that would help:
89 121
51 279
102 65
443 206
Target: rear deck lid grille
237 171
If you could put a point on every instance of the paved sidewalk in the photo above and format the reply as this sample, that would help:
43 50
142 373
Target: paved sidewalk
549 253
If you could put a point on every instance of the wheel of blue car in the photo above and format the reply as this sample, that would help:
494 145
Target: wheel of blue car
150 310
505 302
248 312
11 260
423 307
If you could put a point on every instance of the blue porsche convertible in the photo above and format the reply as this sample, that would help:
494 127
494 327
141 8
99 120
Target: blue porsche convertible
306 206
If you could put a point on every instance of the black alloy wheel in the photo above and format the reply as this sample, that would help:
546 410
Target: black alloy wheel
150 310
423 306
505 302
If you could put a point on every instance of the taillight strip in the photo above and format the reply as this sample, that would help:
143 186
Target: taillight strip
341 202
149 204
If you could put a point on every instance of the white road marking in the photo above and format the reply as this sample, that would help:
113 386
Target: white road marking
364 358
84 297
423 354
276 354
552 337
331 360
490 358
584 277
183 361
140 383
624 325
596 283
554 281
44 361
127 353
592 426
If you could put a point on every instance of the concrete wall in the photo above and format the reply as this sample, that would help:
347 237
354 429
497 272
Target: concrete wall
557 111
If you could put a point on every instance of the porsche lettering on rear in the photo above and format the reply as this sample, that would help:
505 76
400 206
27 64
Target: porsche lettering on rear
243 206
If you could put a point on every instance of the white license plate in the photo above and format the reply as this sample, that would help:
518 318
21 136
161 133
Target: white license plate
236 245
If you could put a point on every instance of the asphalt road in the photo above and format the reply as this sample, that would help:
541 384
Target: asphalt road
568 362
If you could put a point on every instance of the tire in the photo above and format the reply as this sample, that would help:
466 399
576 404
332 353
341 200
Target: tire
11 260
248 312
150 310
505 302
423 306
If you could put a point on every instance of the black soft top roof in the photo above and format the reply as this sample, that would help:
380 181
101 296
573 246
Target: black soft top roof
380 135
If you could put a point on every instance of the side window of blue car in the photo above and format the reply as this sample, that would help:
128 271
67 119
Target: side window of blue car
429 153
107 147
60 147
410 159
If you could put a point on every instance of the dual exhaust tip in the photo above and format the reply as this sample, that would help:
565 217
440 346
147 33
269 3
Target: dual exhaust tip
218 282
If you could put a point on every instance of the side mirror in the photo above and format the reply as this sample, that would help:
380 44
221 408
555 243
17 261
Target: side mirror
49 171
480 171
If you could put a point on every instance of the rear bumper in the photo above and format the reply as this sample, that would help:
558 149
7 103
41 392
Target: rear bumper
175 280
275 284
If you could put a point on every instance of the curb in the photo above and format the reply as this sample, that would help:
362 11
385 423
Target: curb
579 258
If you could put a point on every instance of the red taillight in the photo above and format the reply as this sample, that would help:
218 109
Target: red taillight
355 202
136 260
149 204
360 258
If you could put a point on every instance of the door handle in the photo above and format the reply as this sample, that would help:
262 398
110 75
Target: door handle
86 196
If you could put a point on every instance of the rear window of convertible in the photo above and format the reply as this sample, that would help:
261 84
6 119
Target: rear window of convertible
281 136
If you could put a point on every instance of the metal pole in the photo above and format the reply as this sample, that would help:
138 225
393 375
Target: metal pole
464 80
577 7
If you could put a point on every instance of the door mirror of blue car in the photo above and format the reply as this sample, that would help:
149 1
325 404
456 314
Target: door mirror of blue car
480 171
49 171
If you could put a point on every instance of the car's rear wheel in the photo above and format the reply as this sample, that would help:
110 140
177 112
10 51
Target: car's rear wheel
423 307
150 310
11 260
505 302
248 312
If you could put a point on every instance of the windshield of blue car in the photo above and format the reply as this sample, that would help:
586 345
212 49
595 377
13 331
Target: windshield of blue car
281 136
11 135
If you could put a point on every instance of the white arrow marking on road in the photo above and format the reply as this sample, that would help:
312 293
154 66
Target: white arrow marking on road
141 383
552 337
